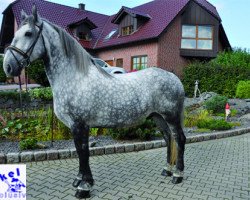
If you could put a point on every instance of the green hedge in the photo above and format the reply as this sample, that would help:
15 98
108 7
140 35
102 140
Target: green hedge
214 78
237 58
36 72
2 74
243 90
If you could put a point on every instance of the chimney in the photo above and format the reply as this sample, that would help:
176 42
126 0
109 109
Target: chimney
81 6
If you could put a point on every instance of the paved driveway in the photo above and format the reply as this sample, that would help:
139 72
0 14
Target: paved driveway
218 169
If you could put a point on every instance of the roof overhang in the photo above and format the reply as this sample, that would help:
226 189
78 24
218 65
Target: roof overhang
86 21
124 10
224 39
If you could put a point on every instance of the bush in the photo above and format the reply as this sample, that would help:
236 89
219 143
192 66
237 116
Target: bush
37 72
243 90
41 93
29 143
216 104
214 124
14 95
191 120
146 131
2 73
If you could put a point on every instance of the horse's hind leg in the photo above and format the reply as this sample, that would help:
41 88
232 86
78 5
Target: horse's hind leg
84 180
180 139
163 126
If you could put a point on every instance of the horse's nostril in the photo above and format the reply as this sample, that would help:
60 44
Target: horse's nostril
8 68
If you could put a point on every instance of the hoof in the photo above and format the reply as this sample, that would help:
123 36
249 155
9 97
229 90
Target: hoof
166 173
76 182
82 194
177 180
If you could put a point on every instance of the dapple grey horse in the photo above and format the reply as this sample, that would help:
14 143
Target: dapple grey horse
86 96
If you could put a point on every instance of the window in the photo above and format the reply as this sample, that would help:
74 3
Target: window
139 62
119 62
84 36
127 30
197 37
110 34
110 62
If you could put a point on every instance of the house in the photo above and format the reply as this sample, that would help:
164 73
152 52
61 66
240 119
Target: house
164 33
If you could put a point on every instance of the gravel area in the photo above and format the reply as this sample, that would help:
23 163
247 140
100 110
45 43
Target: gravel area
13 147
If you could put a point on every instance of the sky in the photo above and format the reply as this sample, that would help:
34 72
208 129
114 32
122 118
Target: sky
235 14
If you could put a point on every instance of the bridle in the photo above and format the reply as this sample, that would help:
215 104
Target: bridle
25 62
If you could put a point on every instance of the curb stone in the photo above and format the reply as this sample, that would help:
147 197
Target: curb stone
110 149
148 145
2 158
129 147
30 156
119 148
27 156
52 154
139 146
64 153
73 153
12 158
40 155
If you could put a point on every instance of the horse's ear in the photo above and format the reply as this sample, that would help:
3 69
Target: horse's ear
23 15
34 13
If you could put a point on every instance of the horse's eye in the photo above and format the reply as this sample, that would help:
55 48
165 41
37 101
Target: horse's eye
28 34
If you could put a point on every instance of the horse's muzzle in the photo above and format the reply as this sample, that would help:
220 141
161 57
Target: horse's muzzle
12 70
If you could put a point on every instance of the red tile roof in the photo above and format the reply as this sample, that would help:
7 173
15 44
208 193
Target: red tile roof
161 13
61 15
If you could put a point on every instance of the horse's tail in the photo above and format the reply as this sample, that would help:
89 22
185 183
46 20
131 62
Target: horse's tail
173 156
172 142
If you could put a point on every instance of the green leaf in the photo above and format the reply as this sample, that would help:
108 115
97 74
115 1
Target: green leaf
19 126
10 124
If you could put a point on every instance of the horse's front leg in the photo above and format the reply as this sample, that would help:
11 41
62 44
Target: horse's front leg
84 180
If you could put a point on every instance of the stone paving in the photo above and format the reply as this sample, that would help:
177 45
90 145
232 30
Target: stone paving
218 169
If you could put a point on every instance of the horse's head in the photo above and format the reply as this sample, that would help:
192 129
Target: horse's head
27 44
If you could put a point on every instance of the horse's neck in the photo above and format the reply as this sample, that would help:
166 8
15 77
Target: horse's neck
57 64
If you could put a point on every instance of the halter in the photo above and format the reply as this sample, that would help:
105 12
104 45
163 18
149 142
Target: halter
25 62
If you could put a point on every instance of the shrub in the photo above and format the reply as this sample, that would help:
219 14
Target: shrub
243 90
2 73
41 93
191 120
214 124
36 71
146 131
93 131
13 95
216 104
29 143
